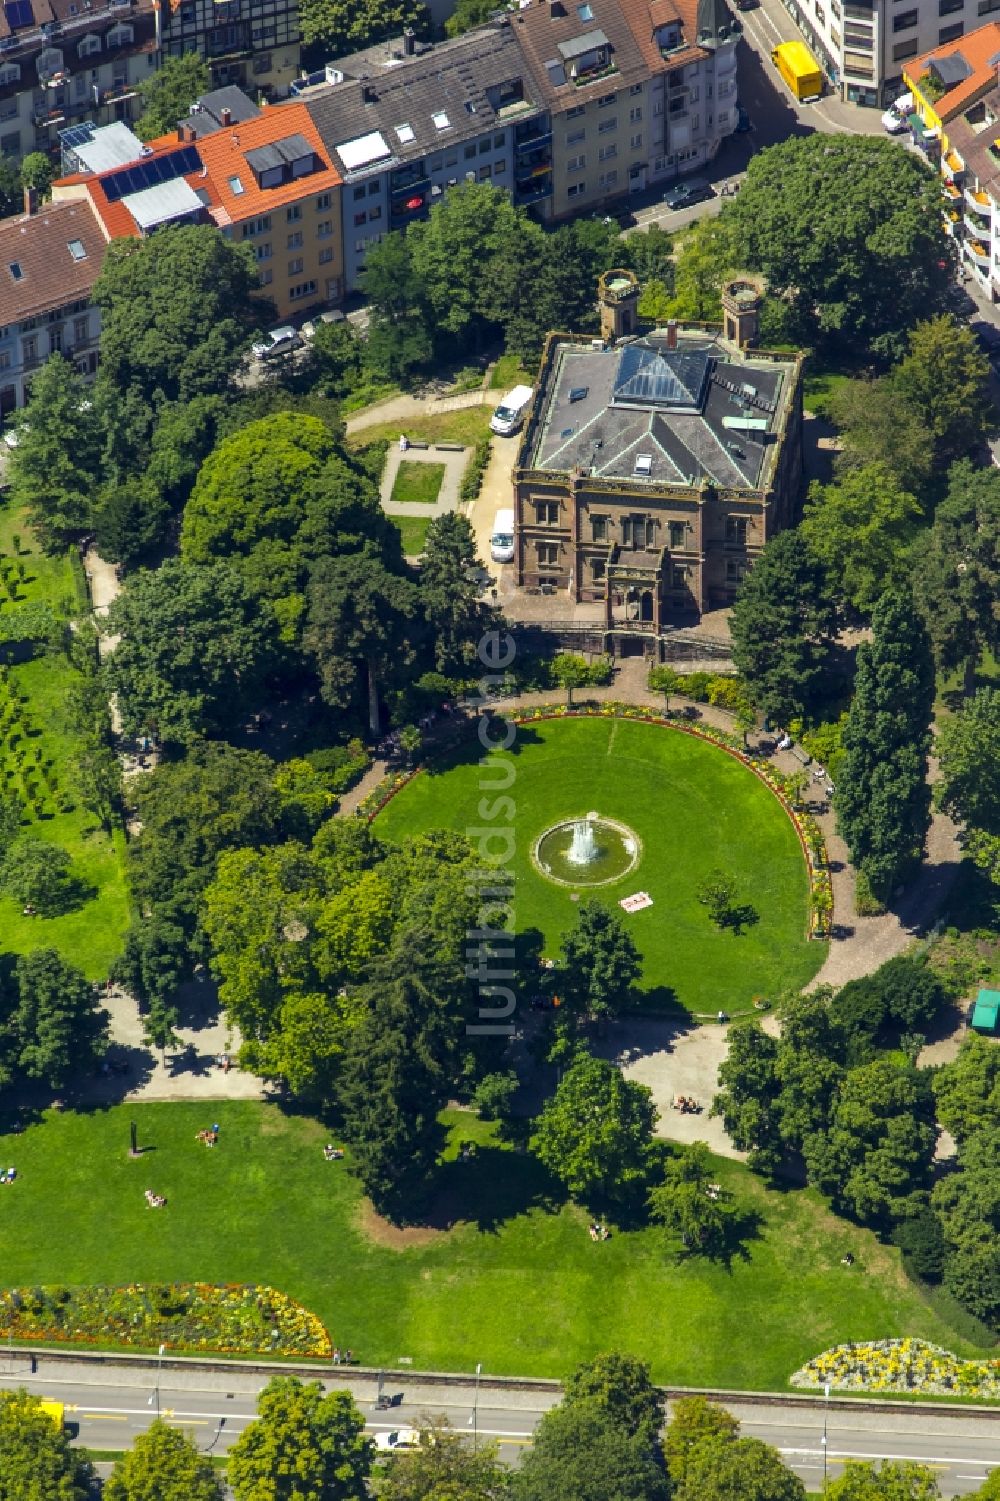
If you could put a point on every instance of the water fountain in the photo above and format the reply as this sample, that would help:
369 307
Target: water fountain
583 849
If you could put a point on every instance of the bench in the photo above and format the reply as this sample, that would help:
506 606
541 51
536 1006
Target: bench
800 755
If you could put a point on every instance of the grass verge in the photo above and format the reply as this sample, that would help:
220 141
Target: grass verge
413 530
417 484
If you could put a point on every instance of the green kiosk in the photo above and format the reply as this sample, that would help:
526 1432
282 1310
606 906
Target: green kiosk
986 1013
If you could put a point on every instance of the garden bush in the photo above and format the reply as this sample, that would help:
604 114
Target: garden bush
340 766
472 479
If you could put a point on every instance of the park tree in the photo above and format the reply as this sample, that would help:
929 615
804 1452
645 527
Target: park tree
36 1460
39 875
159 1026
452 253
167 95
11 813
742 1469
38 172
332 27
54 468
967 1090
444 1468
957 572
449 594
888 1480
399 336
359 616
882 800
972 1275
622 1385
177 318
859 529
163 1464
783 626
877 424
600 962
876 1152
847 230
809 1066
196 650
186 433
945 376
689 1206
10 187
718 893
596 1130
59 1027
694 1421
968 747
581 1454
704 255
319 1438
747 1100
130 521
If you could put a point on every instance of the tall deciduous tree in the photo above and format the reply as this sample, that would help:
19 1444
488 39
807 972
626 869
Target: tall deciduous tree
54 468
595 1131
859 529
689 1206
694 1421
197 647
890 1480
334 26
600 960
581 1454
957 571
945 377
783 624
445 1468
319 1438
879 425
399 339
847 228
968 748
59 1026
163 1464
167 94
968 1089
358 616
882 800
39 874
449 595
36 1461
748 1097
622 1384
744 1469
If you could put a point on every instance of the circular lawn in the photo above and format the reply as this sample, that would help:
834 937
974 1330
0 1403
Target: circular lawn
694 808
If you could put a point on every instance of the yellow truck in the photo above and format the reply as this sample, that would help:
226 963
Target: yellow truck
56 1411
800 70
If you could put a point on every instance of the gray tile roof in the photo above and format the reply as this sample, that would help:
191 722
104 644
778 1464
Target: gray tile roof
689 442
206 115
545 27
459 80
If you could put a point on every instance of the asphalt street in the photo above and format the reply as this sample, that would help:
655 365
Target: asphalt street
107 1406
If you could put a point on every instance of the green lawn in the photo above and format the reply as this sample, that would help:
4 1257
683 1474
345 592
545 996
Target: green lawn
413 530
694 808
90 935
417 484
509 372
465 425
517 1284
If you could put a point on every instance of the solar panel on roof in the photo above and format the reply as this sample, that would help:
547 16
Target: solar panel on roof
76 135
149 174
19 13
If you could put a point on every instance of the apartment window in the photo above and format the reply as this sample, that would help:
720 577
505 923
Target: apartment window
373 188
266 278
293 213
375 212
29 350
359 193
736 530
986 7
638 531
359 247
498 141
904 50
607 125
904 20
605 100
635 143
949 7
735 573
360 219
576 136
607 153
576 163
680 578
81 330
304 289
322 202
470 152
500 167
576 189
484 146
295 266
635 113
636 88
324 229
326 255
546 513
607 180
55 341
599 528
547 554
576 111
949 33
295 240
597 568
4 360
451 158
821 16
677 535
263 251
485 172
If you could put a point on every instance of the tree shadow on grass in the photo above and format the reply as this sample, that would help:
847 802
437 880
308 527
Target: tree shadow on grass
734 1245
743 915
494 1185
470 750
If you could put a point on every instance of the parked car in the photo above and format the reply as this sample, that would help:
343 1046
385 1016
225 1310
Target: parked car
683 194
397 1439
742 120
311 325
893 122
277 341
12 435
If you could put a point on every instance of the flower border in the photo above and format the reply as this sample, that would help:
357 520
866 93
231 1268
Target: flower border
900 1365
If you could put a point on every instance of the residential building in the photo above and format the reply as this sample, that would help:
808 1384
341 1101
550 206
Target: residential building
253 44
404 123
63 61
655 466
864 44
49 261
263 177
638 91
956 97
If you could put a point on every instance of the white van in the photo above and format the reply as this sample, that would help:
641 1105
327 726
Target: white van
502 537
510 413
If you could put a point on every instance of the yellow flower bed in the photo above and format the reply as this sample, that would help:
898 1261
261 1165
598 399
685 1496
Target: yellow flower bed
900 1365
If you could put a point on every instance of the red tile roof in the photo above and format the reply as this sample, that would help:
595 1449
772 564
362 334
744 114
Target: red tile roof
979 49
51 276
645 17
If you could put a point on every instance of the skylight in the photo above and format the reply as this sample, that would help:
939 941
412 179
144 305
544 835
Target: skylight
404 133
76 250
585 12
15 271
236 187
440 119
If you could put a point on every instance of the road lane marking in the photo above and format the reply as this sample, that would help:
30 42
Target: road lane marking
933 1462
107 1417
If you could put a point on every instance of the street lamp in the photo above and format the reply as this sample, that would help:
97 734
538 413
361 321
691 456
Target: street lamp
826 1409
156 1394
474 1420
